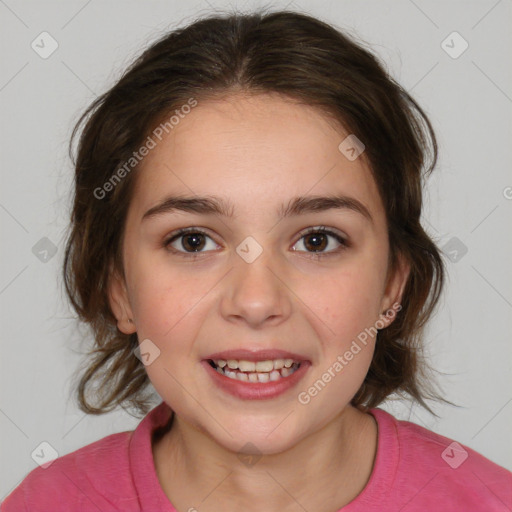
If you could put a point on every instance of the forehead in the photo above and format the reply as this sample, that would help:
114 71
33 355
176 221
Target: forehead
258 151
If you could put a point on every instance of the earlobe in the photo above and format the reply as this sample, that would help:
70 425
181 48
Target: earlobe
119 303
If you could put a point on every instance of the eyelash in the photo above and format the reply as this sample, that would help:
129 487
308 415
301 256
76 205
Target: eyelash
313 255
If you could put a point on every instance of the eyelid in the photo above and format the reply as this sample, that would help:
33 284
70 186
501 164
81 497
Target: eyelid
305 231
184 231
340 237
323 229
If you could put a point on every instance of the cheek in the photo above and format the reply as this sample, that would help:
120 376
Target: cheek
169 306
163 307
167 310
159 294
345 302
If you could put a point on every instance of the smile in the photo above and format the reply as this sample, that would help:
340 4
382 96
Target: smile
251 371
260 375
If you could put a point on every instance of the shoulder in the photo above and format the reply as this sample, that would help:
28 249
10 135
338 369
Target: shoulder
85 479
432 469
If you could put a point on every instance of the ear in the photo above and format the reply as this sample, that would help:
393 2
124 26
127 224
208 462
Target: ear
395 286
119 303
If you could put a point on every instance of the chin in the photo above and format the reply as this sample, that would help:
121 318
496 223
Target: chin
252 435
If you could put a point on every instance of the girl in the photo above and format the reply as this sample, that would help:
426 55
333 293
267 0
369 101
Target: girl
246 238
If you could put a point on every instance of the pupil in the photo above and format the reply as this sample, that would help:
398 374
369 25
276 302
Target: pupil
196 245
318 241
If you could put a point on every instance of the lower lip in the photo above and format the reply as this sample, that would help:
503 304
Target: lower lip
256 390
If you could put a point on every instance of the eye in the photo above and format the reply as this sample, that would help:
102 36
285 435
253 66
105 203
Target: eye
189 241
316 240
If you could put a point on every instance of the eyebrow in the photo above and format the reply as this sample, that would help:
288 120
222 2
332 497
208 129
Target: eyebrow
212 205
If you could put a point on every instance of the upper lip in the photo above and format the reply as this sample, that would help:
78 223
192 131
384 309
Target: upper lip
256 355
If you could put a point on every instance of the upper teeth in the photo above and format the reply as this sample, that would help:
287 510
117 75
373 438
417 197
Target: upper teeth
251 366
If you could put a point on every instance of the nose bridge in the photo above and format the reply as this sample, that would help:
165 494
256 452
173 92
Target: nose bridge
255 291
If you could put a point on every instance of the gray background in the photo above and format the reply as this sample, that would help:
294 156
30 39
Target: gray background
468 200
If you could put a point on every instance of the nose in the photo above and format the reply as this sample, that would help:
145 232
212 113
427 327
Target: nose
256 293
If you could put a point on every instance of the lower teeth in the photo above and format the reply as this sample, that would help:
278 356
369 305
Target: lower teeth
272 376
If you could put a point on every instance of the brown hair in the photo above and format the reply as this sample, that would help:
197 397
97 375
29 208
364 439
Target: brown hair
301 58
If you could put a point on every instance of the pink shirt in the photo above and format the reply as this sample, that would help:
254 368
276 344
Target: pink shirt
415 470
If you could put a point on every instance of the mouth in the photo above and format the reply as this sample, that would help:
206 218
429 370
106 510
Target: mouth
256 375
259 371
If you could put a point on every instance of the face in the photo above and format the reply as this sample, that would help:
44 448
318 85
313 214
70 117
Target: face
266 278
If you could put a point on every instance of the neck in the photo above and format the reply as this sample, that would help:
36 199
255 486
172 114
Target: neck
323 472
